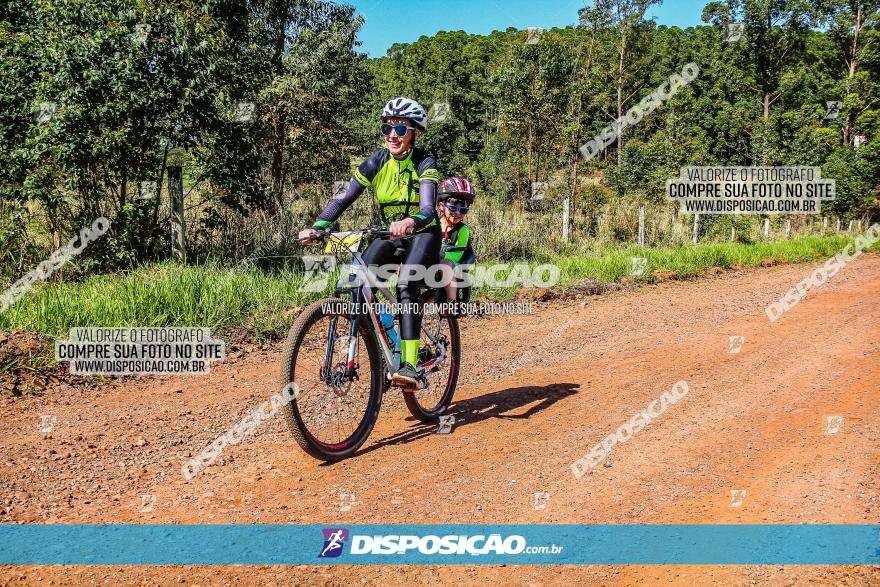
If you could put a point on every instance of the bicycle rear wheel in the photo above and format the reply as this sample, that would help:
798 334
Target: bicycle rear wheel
442 362
337 403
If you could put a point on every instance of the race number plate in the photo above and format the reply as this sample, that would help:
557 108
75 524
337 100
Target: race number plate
344 241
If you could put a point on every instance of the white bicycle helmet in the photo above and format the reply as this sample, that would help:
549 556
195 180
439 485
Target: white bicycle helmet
402 107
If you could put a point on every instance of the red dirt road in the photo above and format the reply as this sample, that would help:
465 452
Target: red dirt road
537 392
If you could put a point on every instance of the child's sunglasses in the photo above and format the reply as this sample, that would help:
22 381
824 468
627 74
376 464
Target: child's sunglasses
456 209
399 129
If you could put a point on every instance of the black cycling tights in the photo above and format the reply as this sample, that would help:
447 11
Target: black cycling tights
421 249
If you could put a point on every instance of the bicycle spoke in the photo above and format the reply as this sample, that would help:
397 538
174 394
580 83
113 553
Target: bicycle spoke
431 396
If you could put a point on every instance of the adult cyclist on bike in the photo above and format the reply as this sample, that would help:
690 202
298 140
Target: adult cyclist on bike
404 180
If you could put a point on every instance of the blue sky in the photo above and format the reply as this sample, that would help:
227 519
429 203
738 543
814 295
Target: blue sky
396 21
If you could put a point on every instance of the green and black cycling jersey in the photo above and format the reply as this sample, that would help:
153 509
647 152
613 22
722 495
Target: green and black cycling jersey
457 243
403 188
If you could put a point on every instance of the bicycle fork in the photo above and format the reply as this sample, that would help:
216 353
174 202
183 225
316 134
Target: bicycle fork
328 369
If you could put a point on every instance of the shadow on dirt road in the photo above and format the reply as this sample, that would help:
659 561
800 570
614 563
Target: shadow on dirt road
498 404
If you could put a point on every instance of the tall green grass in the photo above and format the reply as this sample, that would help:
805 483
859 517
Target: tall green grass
164 294
211 296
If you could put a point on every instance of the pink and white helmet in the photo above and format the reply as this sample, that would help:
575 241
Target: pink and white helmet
456 187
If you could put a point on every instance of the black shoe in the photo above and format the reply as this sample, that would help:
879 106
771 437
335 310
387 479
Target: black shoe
407 377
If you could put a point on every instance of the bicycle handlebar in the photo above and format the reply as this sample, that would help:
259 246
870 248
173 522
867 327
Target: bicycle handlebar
375 230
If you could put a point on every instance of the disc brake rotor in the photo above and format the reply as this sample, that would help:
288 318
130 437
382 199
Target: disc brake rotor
340 384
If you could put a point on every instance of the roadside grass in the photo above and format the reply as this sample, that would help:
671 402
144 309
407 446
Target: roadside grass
165 294
265 303
691 260
608 265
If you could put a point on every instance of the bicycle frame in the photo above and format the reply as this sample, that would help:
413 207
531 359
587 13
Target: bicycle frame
368 285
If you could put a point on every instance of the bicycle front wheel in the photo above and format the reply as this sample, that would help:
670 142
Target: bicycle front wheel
337 402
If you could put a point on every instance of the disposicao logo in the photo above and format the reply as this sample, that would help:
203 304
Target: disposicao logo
334 542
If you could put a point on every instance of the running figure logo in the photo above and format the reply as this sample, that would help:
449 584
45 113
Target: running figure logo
334 542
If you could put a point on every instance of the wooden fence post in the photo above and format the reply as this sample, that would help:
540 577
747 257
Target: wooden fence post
696 228
565 219
766 228
175 191
642 224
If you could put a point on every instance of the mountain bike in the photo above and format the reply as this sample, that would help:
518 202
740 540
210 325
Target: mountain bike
341 358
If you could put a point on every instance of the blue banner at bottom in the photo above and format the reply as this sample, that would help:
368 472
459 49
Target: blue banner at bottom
606 544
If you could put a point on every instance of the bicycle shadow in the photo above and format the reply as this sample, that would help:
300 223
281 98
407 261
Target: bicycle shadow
478 409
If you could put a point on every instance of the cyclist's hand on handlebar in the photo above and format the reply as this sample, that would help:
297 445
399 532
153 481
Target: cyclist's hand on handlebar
404 227
308 236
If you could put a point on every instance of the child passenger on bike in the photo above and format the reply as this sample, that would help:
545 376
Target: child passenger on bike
455 195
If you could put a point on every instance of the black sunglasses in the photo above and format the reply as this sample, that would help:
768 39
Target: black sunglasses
456 209
399 129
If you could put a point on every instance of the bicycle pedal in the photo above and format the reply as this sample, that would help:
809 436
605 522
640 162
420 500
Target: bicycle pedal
420 385
404 385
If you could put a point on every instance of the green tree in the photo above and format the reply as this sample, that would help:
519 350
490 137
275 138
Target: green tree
110 87
532 87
